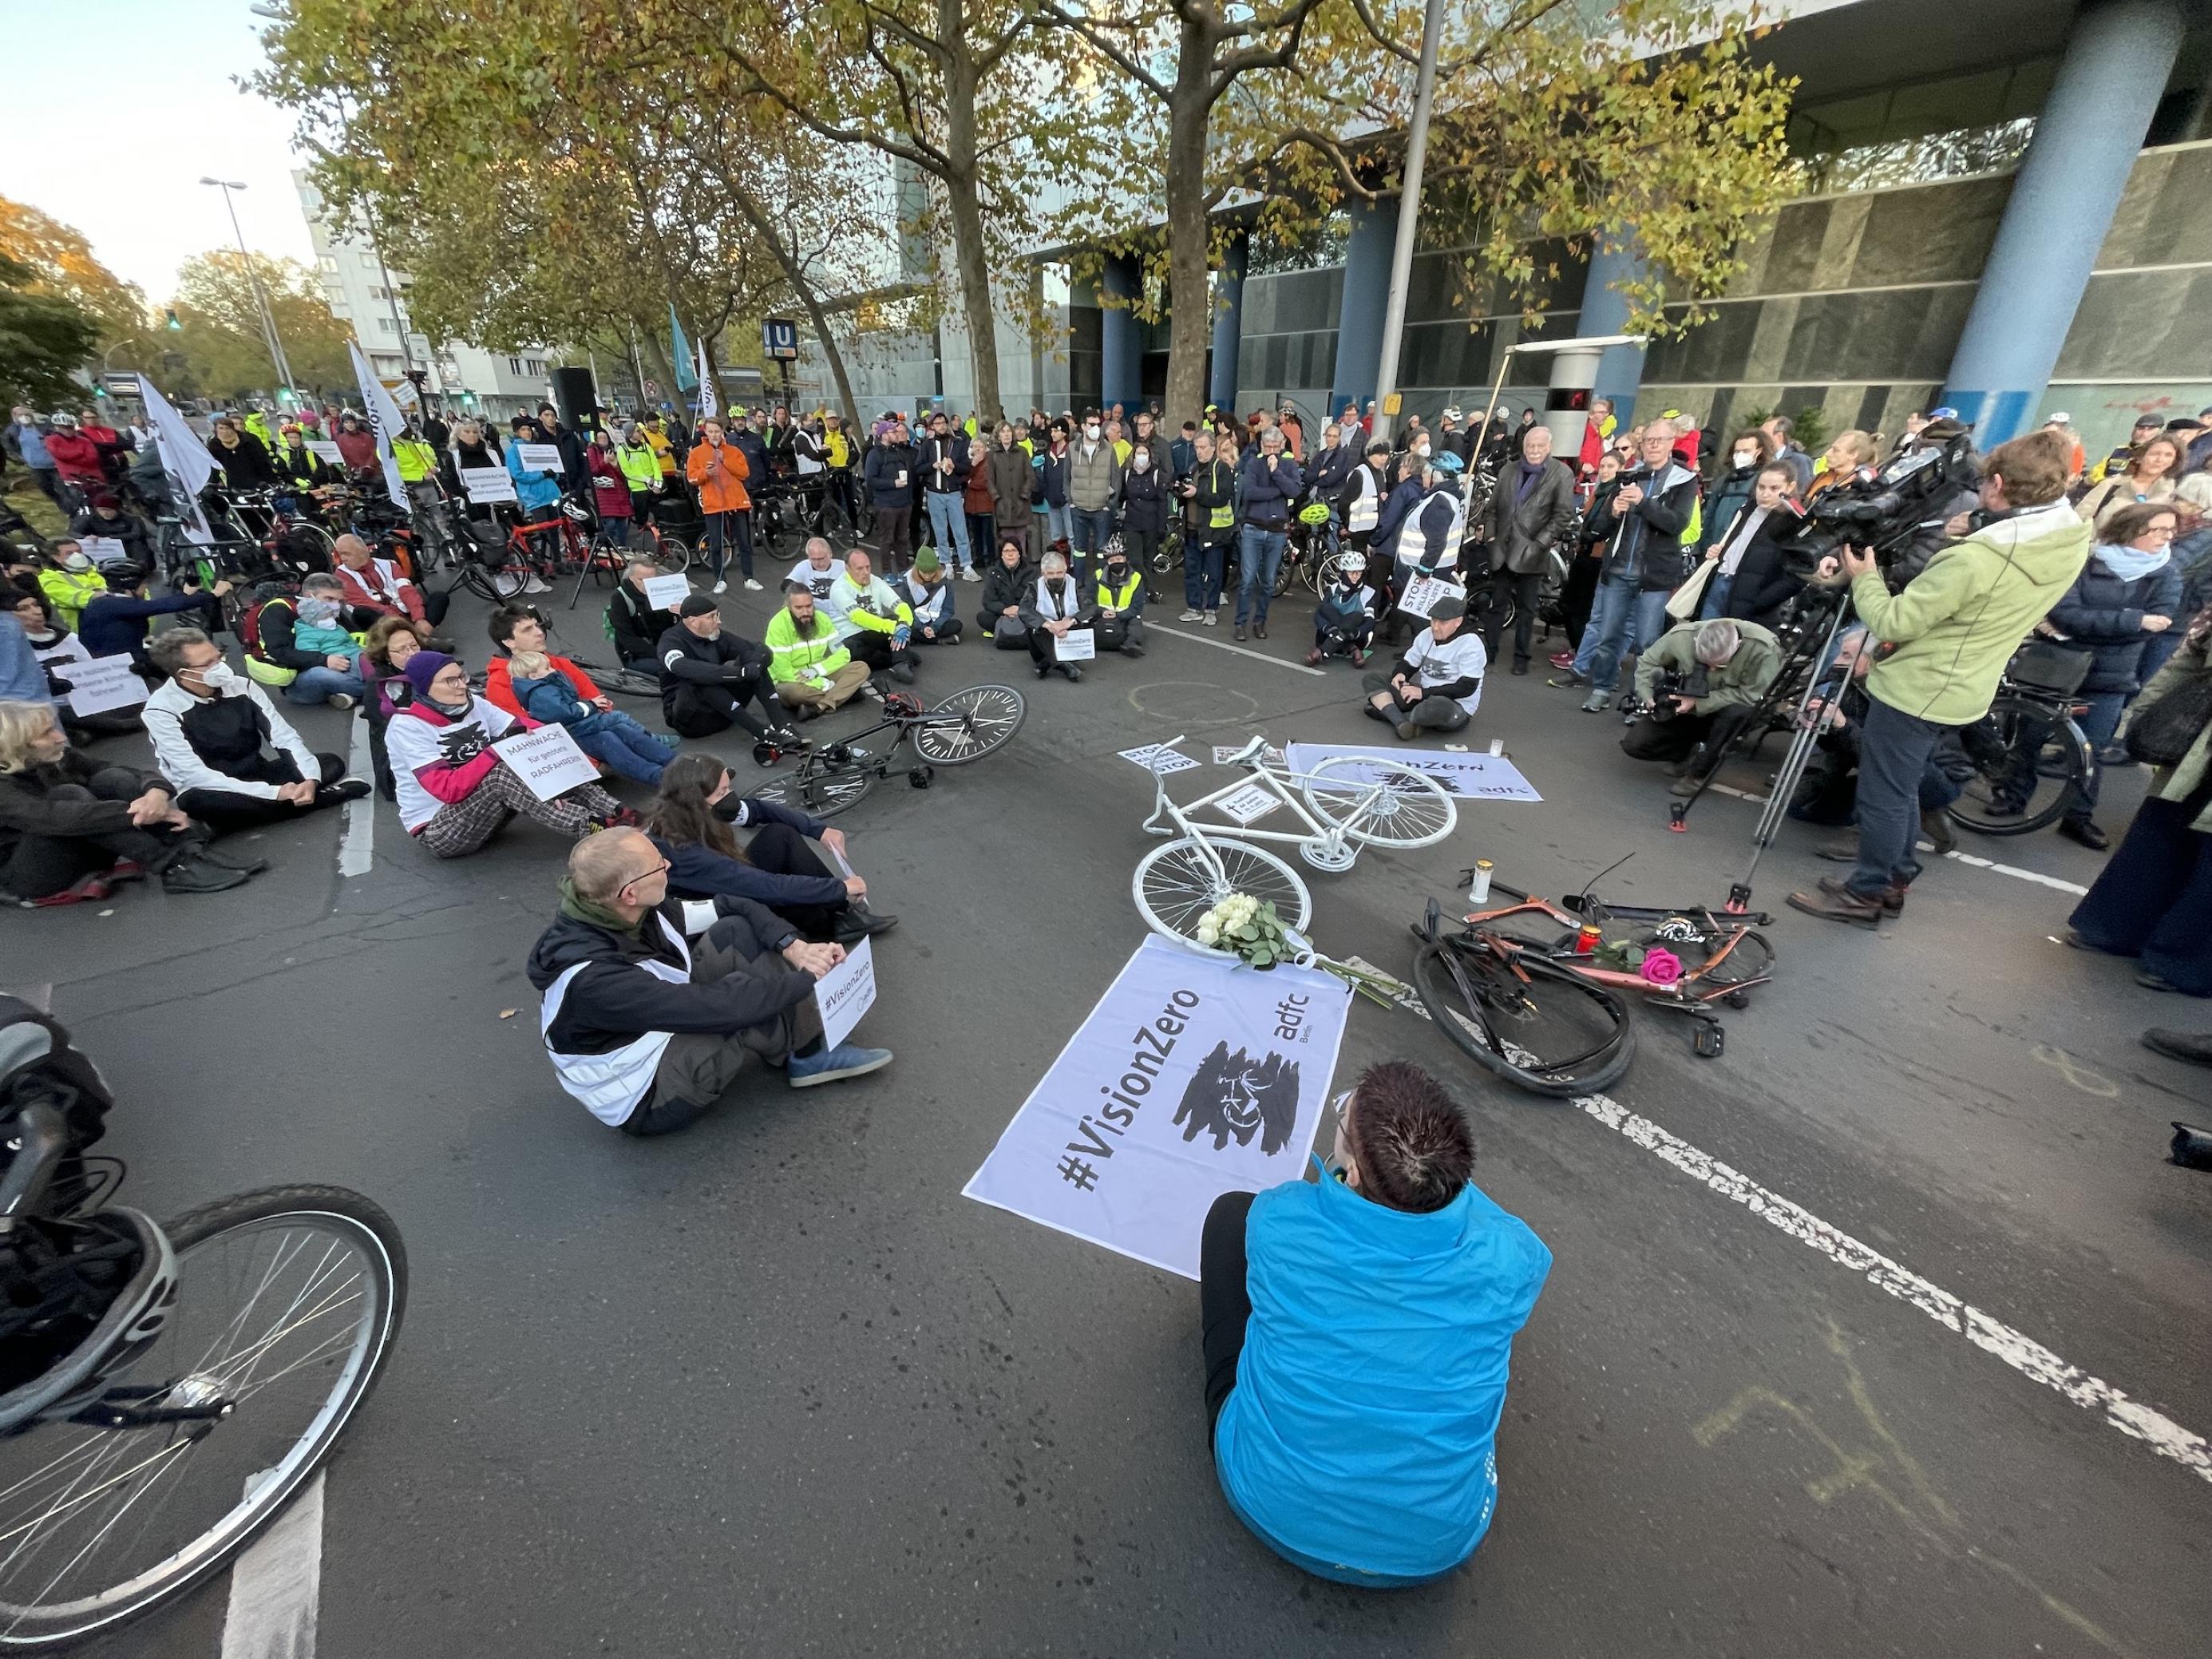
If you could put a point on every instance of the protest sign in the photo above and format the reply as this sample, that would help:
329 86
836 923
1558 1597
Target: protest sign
1474 777
1159 757
1251 804
98 684
105 550
845 993
547 760
486 484
667 592
1424 593
1077 645
1193 1076
327 452
540 458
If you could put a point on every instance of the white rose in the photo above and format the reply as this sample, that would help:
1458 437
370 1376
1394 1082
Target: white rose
1208 934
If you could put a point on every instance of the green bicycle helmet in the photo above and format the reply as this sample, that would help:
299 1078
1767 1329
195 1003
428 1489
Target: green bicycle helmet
1314 513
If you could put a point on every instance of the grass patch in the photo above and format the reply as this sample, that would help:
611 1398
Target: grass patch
28 498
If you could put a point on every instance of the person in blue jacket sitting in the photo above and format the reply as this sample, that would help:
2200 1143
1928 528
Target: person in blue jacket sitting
1356 1336
549 696
115 623
690 821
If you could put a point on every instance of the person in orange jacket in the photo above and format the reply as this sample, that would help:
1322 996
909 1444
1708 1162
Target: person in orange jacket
719 472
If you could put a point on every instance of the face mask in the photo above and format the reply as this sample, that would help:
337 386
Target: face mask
1091 433
1422 450
22 420
1141 460
318 610
218 675
1745 457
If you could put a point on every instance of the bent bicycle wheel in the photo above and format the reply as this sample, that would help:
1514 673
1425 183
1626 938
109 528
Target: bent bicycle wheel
1380 803
820 792
969 724
1750 957
2028 760
1176 884
1545 1028
288 1301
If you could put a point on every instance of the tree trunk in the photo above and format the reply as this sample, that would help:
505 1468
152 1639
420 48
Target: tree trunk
1190 320
963 197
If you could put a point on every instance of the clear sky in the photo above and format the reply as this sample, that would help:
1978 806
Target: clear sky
127 104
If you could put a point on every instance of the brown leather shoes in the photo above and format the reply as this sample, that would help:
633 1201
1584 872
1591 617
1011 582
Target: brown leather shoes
1893 897
1838 906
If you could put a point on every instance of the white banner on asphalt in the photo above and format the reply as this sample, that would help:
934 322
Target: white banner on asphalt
1193 1077
548 760
845 993
384 420
185 462
98 685
1159 757
1474 777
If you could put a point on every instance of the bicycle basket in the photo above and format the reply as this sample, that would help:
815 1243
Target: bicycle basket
2042 665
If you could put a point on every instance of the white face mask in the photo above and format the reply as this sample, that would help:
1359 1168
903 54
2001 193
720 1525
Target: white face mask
1745 457
1422 450
1140 460
217 675
1091 433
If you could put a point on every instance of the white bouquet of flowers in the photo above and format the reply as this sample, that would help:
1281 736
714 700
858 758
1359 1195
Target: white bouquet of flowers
1244 926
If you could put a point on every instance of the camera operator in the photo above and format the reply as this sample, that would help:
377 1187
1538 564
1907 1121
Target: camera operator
1954 509
1944 640
1699 682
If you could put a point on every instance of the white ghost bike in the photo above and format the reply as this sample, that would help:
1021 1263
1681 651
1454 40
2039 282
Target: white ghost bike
1347 802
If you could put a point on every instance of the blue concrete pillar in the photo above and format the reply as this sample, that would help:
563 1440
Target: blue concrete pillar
1359 312
1228 321
1605 311
2108 84
1122 374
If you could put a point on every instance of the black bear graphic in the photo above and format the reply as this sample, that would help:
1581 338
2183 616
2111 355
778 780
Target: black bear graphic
1237 1095
458 745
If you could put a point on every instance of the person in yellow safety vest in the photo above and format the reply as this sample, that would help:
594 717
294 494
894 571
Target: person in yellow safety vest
71 580
656 436
257 425
1121 624
417 458
641 471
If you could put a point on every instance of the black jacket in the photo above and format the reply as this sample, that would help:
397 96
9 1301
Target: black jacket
27 808
247 467
1003 588
614 1000
930 451
727 659
123 527
2102 614
1764 583
635 626
302 467
1145 502
1647 539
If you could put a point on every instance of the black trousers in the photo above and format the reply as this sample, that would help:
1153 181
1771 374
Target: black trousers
894 538
1578 596
700 708
1517 588
2154 899
948 629
1677 739
873 649
39 864
781 850
225 812
1224 1304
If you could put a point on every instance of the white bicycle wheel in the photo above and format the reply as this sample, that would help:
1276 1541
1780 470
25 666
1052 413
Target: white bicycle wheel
1400 808
1176 884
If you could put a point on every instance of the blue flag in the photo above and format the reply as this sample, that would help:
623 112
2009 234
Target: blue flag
687 378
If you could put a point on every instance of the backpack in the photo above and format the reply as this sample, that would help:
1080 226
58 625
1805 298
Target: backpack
258 666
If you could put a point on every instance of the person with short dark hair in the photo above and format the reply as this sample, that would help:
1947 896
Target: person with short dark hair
711 679
1357 1334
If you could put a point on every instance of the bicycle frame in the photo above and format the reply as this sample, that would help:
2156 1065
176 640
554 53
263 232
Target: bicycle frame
1325 846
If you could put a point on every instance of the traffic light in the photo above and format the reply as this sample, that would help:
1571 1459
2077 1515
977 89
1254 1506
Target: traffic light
174 325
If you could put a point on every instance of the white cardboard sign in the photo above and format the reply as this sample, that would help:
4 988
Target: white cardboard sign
1251 804
486 484
98 684
667 592
1472 777
845 993
326 452
1077 645
540 458
105 549
548 760
1159 757
1424 593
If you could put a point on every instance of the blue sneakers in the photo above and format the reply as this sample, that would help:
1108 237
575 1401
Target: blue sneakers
831 1064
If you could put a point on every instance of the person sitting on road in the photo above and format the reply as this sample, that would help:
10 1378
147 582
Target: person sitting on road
633 623
375 587
35 654
106 519
645 1033
551 690
236 762
1011 577
1357 1334
114 624
812 670
872 621
384 655
1718 670
711 679
819 571
456 790
1438 685
1053 607
689 821
69 580
1120 625
925 589
1345 618
299 645
73 828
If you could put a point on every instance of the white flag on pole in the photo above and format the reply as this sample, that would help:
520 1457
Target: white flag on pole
383 420
184 460
709 404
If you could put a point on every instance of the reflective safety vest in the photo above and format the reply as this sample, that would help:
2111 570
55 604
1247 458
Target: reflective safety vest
1367 505
1111 600
838 447
1414 533
612 1084
661 451
418 460
640 469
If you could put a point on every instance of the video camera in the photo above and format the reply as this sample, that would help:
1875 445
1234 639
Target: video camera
1882 507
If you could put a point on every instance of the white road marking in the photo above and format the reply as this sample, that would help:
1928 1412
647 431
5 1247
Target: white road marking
2023 1353
1152 627
2012 870
276 1585
357 851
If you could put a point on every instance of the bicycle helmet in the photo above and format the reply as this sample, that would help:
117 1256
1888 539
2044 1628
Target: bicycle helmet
1448 464
1314 513
133 1318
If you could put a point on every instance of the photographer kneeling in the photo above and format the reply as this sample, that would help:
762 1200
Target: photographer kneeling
1944 640
1699 682
1358 1334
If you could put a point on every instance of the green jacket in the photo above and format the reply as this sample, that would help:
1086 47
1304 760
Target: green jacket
2178 782
1742 679
640 467
1957 624
815 658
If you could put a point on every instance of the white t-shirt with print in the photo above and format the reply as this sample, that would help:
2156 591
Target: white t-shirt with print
817 582
1441 662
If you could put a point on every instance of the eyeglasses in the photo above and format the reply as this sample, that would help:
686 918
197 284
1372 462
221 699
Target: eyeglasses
646 875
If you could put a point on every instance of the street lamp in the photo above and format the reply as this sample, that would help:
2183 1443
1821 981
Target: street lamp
1409 213
268 318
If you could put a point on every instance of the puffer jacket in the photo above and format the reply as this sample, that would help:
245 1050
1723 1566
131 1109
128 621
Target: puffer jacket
2103 614
1003 588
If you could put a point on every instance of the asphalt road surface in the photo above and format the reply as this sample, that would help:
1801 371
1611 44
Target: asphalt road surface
773 1387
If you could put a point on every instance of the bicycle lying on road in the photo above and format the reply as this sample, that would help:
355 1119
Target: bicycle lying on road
1347 802
831 776
165 1389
